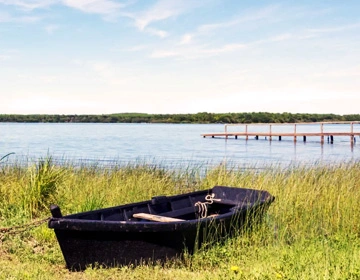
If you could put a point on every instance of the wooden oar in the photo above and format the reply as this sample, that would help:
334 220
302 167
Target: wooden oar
156 218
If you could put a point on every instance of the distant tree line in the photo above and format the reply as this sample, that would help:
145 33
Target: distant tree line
204 117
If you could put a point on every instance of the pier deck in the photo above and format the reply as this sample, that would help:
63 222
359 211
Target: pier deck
270 133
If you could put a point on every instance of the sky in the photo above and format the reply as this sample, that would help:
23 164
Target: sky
179 56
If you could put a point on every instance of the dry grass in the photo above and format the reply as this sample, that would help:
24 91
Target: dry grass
311 231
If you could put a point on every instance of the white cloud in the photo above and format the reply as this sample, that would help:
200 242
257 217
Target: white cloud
136 48
211 28
189 50
48 79
225 48
104 7
107 72
40 79
340 73
45 104
5 17
157 32
281 37
186 39
162 10
196 52
4 57
50 29
164 54
335 29
250 15
29 4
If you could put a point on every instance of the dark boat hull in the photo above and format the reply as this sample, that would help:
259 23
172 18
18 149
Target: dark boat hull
110 237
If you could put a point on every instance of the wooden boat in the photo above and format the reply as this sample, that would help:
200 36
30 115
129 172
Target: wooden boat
155 230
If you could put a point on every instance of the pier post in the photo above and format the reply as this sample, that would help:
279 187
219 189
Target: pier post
295 132
246 131
331 139
257 137
235 136
270 136
304 138
322 133
279 138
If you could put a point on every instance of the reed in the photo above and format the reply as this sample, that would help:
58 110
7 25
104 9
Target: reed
311 231
43 179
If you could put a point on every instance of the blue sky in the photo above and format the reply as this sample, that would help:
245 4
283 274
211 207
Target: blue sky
179 56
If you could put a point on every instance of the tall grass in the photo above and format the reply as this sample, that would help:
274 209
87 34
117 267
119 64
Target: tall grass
311 231
43 180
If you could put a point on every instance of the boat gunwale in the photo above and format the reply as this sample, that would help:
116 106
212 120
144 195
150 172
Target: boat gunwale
146 226
74 222
134 204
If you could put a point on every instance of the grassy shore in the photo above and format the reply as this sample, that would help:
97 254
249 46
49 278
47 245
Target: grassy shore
311 231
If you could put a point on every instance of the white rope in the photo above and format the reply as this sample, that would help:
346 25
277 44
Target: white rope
202 209
203 206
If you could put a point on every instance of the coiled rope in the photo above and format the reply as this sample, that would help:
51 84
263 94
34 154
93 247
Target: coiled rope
203 206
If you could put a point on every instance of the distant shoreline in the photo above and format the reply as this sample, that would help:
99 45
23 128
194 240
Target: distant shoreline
198 118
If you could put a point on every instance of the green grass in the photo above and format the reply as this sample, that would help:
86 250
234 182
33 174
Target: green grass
311 231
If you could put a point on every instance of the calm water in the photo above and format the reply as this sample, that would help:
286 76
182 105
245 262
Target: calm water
169 144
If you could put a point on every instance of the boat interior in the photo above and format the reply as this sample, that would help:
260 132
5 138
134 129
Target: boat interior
196 205
161 209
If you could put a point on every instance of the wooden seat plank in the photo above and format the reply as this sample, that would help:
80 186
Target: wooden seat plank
156 218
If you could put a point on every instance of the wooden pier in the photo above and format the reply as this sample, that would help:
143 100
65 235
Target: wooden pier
270 133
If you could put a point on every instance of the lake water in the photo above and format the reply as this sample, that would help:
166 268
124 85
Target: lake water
170 145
